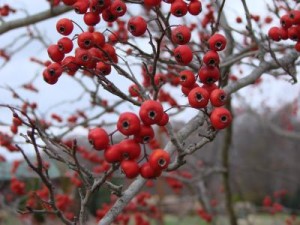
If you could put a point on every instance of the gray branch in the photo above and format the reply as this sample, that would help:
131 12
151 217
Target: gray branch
32 19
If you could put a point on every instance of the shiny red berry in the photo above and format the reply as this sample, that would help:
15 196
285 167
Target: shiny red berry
64 26
217 42
181 35
159 159
151 112
128 123
198 97
98 138
220 118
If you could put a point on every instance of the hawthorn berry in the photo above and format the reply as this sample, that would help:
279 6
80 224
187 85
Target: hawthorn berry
209 75
217 42
198 97
187 78
55 54
181 35
159 159
295 16
130 168
218 97
85 40
286 22
128 123
118 8
179 8
129 149
195 7
151 112
64 26
81 6
183 54
65 45
134 90
275 33
220 118
91 18
164 120
151 3
99 39
186 90
69 65
69 2
145 134
148 172
98 138
113 154
103 68
54 70
82 57
137 26
211 58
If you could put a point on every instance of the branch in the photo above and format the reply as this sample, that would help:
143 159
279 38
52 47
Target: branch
263 67
11 25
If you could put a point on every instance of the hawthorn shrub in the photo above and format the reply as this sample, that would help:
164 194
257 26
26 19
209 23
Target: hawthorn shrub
145 54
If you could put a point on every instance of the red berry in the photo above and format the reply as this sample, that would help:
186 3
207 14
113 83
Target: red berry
85 40
137 26
209 75
151 3
81 6
98 137
64 26
65 45
285 21
195 7
54 70
130 149
183 54
99 39
128 123
145 135
151 112
148 172
295 16
55 54
211 58
113 153
187 78
181 35
91 18
220 118
103 68
218 97
198 97
118 8
159 159
297 46
217 42
69 2
130 168
179 8
275 33
164 120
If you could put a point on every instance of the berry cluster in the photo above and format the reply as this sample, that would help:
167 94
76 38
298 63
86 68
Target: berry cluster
128 151
290 28
208 74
